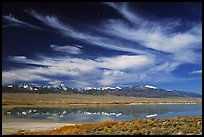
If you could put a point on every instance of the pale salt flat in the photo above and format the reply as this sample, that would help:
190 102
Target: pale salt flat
13 127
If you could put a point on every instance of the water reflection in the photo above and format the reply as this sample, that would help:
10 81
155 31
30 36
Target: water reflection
102 113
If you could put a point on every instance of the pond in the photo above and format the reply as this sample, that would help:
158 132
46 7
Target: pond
103 113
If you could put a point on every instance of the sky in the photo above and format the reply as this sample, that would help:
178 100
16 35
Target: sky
103 44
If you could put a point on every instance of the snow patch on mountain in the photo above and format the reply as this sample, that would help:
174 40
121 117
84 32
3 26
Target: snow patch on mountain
148 86
10 86
118 87
63 87
87 88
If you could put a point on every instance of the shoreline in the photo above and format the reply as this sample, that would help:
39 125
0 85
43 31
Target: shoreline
39 127
13 125
10 101
84 104
9 128
167 103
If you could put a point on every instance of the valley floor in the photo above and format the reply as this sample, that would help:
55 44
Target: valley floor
79 99
180 125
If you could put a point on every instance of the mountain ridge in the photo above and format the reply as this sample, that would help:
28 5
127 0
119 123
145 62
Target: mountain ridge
135 91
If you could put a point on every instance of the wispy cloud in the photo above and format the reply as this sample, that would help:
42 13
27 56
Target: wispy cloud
117 62
17 58
55 82
102 71
12 76
79 83
12 21
153 35
67 30
123 9
156 50
76 67
196 72
67 49
160 35
124 62
155 38
112 72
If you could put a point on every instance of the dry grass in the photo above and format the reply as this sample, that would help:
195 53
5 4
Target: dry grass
78 99
68 130
189 125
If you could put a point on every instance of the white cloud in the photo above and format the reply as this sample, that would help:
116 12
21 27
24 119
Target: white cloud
156 50
105 42
83 65
196 72
164 67
155 38
109 77
17 58
160 35
112 72
9 77
55 23
77 67
188 56
106 82
12 21
124 10
78 83
116 70
124 62
125 78
68 49
152 34
157 35
55 82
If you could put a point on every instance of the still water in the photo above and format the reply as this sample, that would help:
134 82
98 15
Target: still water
103 113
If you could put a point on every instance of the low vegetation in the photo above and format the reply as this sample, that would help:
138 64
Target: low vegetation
181 125
79 99
188 125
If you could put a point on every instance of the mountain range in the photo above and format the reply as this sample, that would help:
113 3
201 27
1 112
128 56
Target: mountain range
135 91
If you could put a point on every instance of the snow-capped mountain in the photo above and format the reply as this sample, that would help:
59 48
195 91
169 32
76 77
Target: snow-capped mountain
88 88
136 91
38 88
118 87
62 87
27 86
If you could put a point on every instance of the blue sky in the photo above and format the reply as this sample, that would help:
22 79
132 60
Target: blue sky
103 44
